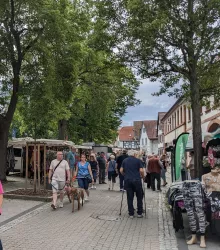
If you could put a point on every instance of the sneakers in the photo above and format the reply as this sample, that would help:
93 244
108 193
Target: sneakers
53 206
131 216
86 198
94 187
61 205
140 216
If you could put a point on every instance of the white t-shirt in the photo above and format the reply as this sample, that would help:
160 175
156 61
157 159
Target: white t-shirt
60 172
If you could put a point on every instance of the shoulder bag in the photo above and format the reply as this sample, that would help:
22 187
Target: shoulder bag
55 169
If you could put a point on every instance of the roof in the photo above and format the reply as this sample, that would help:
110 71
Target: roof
161 115
137 129
21 142
126 133
151 128
172 109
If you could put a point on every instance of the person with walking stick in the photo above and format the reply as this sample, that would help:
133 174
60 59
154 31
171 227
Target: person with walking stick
132 169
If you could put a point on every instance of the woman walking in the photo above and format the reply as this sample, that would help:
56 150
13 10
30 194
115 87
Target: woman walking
84 174
94 167
111 169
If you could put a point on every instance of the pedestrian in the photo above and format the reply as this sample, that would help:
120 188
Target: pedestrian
132 169
94 167
111 169
1 197
154 167
102 168
148 176
119 161
84 175
59 168
164 169
71 158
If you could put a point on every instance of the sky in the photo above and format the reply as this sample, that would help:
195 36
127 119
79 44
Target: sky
150 105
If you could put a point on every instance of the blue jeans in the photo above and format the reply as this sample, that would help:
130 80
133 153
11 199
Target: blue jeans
94 173
121 177
83 183
134 186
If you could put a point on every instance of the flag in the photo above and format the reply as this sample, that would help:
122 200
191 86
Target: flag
180 153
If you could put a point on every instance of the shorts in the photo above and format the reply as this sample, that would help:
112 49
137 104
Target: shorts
83 183
58 186
1 188
111 176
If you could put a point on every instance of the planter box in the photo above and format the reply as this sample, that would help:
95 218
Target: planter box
44 195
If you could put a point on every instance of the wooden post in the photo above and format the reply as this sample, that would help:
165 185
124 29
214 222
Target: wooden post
38 164
35 170
26 170
45 173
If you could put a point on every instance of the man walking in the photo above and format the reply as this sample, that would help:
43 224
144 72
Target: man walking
71 160
57 177
154 168
102 168
132 169
119 161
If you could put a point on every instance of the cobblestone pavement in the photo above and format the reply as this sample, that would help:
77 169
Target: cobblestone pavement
63 230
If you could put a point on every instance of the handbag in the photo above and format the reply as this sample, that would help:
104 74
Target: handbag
115 172
89 179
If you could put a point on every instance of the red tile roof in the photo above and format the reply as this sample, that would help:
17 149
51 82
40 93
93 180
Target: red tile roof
126 133
137 129
151 128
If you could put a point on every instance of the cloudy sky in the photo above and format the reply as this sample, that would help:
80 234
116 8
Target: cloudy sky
150 105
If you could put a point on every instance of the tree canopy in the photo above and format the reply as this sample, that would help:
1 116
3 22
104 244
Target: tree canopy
175 42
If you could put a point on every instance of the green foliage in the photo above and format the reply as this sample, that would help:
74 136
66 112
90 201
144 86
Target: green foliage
73 74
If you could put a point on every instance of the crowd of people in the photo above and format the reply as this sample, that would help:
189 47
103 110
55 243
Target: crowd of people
88 169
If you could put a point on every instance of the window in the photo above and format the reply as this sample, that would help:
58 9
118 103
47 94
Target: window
142 141
178 116
145 141
189 114
181 115
144 130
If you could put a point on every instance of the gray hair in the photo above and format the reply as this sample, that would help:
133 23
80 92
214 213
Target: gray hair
131 153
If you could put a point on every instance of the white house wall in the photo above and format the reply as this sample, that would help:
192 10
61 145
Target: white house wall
148 146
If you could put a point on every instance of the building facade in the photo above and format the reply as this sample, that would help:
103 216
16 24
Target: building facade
160 132
179 119
148 137
126 138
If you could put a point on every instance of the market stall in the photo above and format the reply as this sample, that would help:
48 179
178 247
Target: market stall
199 199
38 154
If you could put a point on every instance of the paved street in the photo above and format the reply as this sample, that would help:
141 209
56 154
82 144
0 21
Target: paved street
97 226
32 225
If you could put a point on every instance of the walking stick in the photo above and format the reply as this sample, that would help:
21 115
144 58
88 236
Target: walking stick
144 201
121 201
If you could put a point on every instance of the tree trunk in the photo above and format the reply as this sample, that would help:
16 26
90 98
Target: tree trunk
62 128
196 121
5 123
4 130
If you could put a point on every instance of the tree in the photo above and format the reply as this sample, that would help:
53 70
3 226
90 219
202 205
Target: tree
26 30
77 82
171 41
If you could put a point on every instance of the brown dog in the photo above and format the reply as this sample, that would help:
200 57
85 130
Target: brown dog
76 194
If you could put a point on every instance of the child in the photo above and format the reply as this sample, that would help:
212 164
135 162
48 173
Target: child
1 197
